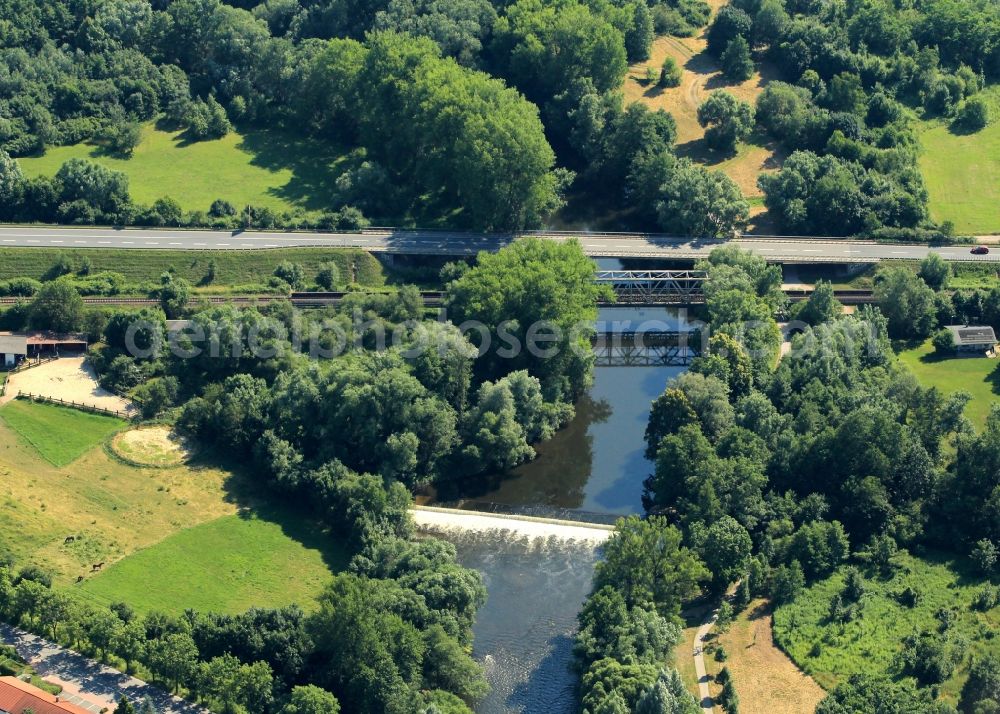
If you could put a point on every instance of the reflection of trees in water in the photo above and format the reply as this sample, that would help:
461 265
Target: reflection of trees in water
557 477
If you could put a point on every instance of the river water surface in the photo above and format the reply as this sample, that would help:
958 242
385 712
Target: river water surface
595 465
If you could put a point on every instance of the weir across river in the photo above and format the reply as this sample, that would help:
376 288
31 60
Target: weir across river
439 520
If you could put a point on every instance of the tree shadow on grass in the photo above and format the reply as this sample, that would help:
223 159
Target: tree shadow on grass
315 165
966 574
296 519
993 379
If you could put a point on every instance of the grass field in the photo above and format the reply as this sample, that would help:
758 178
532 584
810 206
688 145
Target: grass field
226 565
965 276
232 267
61 435
832 652
111 509
170 538
978 376
962 172
269 169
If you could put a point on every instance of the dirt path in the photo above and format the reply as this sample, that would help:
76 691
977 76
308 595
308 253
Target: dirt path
67 378
704 693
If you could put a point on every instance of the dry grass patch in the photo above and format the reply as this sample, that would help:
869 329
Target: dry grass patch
766 680
701 75
151 446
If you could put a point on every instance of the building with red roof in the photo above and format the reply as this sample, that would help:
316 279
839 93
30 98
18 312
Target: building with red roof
16 697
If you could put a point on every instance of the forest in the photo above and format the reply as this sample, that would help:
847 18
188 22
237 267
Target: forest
771 478
489 116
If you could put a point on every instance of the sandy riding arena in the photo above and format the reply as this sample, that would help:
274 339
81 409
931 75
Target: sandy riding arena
67 378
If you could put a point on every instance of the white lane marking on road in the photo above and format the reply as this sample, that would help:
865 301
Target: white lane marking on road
32 241
8 240
151 243
270 245
200 244
899 252
811 250
104 242
226 244
176 244
55 241
128 242
765 250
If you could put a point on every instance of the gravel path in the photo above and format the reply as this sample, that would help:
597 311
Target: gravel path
89 682
705 696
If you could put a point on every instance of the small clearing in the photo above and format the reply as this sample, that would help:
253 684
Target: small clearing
152 446
766 680
701 75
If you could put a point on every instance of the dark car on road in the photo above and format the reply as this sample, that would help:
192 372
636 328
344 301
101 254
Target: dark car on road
980 250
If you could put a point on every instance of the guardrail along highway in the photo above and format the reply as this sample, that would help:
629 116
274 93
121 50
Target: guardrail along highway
777 249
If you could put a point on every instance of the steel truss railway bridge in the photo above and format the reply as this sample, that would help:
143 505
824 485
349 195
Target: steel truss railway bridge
655 287
654 348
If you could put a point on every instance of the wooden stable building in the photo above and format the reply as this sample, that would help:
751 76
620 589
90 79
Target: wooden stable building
13 349
16 346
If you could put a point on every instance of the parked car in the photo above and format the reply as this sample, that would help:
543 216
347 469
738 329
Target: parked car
980 250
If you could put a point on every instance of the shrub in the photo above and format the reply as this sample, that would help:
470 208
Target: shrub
291 273
19 287
724 620
986 598
985 556
221 208
908 597
328 276
973 115
670 73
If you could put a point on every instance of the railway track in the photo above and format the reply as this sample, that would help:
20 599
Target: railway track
432 298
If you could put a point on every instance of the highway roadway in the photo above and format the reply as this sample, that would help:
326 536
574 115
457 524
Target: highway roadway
598 245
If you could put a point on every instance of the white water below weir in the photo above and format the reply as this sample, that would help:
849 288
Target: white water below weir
442 520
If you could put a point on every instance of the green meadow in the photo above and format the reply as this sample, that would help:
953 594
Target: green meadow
226 565
978 376
264 168
60 434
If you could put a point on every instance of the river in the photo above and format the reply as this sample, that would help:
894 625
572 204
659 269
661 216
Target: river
595 465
